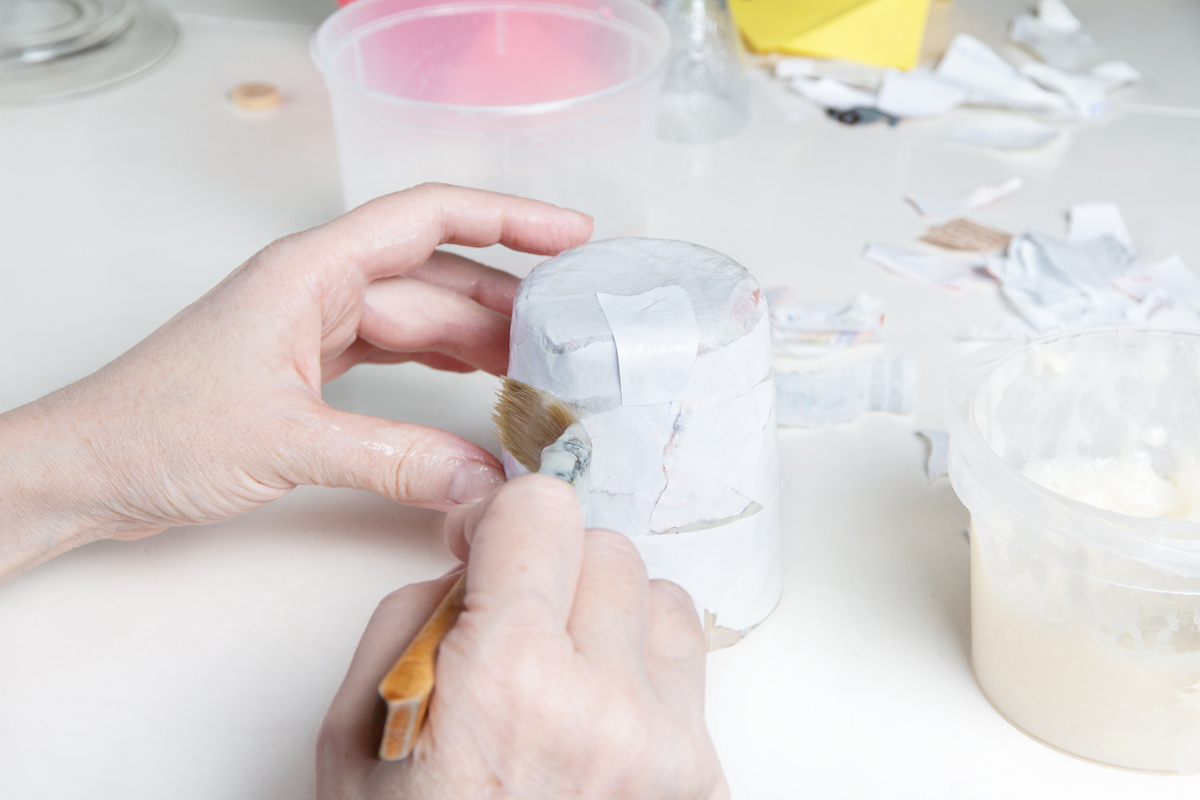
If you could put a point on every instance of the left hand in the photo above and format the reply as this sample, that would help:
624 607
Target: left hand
219 410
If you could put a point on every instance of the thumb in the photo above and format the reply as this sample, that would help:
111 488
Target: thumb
411 464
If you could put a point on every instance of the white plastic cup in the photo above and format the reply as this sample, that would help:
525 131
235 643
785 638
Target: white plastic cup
550 99
1085 623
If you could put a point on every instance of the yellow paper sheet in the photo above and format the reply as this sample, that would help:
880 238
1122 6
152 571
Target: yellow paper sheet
883 32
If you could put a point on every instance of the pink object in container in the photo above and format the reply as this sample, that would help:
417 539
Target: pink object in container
553 99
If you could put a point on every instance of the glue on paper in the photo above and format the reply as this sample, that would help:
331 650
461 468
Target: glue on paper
663 350
656 337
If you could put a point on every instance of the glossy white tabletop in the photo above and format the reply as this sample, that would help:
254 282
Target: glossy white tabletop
198 663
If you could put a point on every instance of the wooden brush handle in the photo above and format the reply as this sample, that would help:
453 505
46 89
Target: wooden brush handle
407 686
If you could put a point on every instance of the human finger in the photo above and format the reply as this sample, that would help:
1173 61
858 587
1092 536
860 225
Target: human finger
410 316
526 552
411 464
363 352
491 288
350 725
458 521
394 234
675 652
608 621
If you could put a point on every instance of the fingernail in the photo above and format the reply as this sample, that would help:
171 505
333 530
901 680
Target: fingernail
473 481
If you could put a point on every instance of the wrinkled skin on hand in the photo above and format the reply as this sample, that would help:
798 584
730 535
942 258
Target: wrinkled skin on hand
568 674
219 411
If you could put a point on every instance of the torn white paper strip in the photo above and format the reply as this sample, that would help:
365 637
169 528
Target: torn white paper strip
935 270
830 93
811 330
860 76
1057 36
917 93
657 339
939 448
786 68
977 198
1093 220
1087 94
1003 132
819 399
991 81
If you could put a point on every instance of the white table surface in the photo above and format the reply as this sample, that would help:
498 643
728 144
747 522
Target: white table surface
198 663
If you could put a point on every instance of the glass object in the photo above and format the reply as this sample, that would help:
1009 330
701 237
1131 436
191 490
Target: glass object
53 49
706 95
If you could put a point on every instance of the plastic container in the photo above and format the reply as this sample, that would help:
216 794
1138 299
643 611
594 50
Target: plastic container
551 99
1085 622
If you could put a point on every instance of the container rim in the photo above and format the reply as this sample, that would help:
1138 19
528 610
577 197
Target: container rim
1176 541
322 52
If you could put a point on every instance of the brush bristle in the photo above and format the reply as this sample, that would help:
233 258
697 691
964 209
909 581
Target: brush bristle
528 420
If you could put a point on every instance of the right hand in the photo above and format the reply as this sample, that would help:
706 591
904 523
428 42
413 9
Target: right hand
568 674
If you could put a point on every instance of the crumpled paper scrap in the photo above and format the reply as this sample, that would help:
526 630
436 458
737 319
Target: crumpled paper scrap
812 330
977 198
818 399
917 93
1054 283
1056 36
1090 279
1070 85
989 80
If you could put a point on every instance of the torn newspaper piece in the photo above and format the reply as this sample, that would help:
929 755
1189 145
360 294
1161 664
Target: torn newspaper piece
1054 283
1091 279
811 330
934 270
819 399
977 198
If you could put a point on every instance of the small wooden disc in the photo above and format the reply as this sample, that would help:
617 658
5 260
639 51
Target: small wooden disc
254 95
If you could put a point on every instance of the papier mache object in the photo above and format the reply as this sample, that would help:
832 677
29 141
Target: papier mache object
663 350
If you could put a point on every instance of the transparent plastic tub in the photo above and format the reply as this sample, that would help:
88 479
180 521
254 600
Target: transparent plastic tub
1085 622
552 99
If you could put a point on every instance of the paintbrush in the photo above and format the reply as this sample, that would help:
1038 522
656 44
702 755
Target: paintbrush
544 436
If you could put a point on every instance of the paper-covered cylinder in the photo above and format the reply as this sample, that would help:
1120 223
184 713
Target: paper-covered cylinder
663 349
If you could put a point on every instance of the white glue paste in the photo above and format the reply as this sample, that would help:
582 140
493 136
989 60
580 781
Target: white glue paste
1085 619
